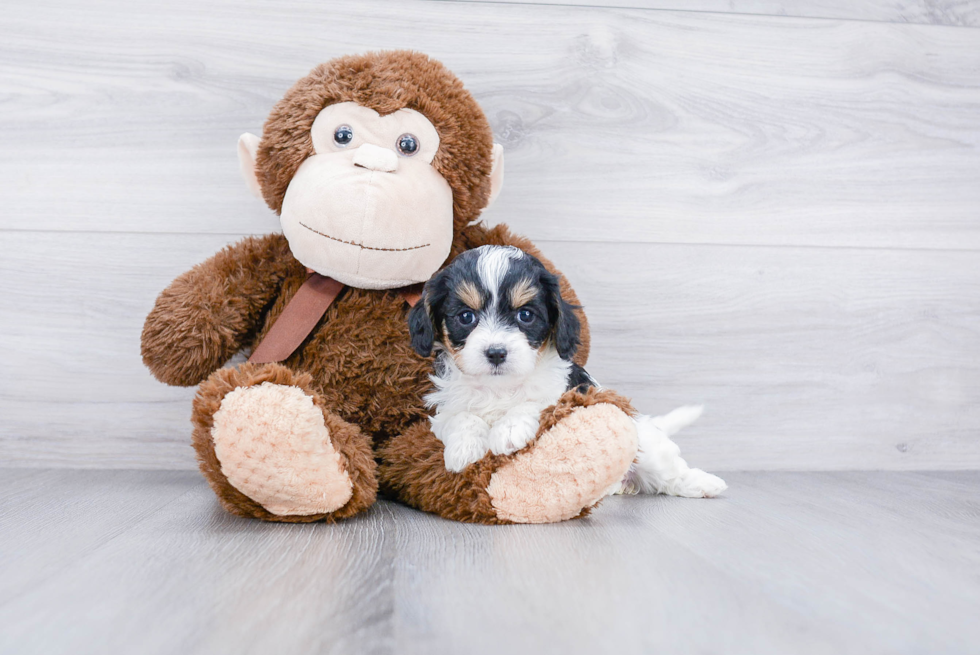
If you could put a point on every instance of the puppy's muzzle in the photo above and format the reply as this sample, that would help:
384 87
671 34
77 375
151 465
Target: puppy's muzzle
496 355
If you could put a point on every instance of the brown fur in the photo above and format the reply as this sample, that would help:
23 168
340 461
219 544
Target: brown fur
413 471
357 364
213 310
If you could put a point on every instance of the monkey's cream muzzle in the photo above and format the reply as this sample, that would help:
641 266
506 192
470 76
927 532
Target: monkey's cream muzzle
368 218
376 158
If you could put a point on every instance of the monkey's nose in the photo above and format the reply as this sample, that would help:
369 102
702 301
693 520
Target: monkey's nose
376 158
496 355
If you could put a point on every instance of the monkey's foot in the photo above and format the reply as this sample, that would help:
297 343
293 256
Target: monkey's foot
584 447
582 453
274 447
271 450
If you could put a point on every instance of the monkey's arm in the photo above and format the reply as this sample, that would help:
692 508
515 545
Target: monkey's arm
207 314
500 235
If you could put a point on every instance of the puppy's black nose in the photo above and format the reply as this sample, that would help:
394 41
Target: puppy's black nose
496 355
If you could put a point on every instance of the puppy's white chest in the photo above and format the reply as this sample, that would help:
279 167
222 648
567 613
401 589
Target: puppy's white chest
474 414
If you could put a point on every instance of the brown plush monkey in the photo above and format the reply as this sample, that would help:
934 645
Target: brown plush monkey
379 166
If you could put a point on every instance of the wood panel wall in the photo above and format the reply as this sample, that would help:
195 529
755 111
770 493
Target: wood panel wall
769 207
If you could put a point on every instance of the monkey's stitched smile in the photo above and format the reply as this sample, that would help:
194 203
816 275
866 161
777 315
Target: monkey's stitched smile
361 245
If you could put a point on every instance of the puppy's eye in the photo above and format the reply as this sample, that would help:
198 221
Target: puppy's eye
466 318
343 135
525 316
408 145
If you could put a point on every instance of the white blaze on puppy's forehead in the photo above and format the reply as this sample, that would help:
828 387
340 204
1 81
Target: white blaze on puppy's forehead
493 264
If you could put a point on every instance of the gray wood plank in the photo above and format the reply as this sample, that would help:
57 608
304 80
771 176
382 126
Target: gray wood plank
959 13
775 569
619 125
611 585
782 563
806 358
853 550
190 578
51 519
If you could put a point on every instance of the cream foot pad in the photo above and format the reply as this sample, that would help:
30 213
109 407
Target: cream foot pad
275 449
570 467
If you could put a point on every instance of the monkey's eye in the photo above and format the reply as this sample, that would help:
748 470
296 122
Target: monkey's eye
525 316
466 318
408 145
343 135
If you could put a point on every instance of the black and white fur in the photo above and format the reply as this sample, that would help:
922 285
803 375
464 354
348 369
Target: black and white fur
504 339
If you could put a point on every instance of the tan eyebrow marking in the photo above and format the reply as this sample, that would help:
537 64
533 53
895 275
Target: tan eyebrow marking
522 293
470 295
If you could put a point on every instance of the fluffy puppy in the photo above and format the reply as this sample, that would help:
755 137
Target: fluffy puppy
504 339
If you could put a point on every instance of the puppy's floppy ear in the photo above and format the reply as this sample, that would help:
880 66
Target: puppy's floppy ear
566 327
422 318
420 327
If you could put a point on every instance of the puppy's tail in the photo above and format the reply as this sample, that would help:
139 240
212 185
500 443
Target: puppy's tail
672 423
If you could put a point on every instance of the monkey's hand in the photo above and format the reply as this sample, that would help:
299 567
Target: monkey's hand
205 315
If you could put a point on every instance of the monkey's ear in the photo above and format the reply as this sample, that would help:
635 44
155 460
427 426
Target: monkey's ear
248 145
496 173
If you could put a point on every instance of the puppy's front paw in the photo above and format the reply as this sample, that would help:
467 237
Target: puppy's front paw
466 442
512 432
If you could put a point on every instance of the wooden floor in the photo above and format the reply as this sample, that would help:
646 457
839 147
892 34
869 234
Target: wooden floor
146 562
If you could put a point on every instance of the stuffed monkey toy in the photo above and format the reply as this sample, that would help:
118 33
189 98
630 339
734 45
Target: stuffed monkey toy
378 166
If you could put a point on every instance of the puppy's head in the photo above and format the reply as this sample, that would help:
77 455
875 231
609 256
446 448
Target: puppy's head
493 310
